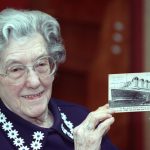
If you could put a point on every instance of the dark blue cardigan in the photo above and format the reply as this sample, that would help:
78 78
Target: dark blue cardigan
58 137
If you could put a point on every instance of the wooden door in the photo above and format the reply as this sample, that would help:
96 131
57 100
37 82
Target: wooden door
97 36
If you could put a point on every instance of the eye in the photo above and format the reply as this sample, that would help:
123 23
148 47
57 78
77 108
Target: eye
42 63
15 69
42 66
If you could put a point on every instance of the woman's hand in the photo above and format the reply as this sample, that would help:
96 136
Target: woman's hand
88 135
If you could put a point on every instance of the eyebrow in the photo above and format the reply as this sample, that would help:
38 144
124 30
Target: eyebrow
14 61
11 62
43 55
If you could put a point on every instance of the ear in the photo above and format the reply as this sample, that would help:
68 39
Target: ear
53 77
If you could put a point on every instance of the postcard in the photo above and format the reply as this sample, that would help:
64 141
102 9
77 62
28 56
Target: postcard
129 92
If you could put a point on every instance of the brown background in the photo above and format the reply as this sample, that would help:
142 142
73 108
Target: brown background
88 28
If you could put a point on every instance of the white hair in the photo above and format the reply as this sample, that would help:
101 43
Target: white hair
24 23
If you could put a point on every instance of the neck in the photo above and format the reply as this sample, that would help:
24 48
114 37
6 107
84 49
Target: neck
45 120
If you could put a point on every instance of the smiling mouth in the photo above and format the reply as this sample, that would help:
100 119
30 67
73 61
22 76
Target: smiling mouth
33 96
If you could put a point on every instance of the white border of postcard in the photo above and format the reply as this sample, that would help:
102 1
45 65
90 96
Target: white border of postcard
129 92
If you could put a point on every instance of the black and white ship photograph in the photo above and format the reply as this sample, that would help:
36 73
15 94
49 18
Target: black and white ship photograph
129 92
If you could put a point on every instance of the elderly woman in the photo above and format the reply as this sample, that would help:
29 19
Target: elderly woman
30 51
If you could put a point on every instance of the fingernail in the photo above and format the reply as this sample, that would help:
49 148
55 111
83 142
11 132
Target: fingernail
111 111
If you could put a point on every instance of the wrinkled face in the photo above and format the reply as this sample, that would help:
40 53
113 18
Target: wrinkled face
30 97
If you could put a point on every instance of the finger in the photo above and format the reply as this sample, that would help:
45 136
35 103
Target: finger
106 108
104 126
94 118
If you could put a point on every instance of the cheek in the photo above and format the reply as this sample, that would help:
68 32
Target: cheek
8 92
13 90
48 82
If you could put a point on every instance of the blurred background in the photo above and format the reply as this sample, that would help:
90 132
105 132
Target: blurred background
101 37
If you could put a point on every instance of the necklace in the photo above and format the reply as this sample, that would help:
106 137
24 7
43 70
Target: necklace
17 140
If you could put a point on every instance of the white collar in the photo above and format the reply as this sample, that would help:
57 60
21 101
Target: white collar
38 136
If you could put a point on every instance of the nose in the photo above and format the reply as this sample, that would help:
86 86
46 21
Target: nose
33 80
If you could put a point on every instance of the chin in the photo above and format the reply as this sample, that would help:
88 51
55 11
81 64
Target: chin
36 111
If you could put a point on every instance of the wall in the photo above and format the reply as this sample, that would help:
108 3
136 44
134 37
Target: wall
147 67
